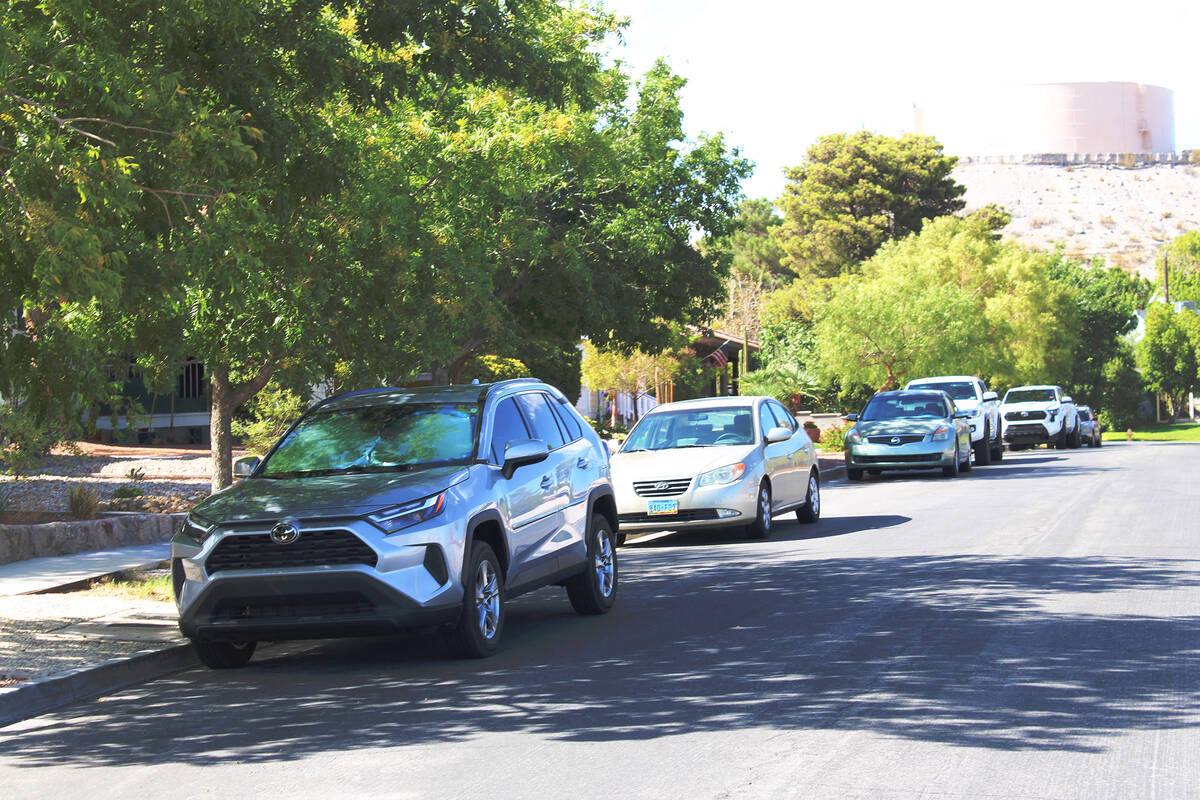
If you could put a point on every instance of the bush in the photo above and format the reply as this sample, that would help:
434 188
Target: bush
267 417
24 441
126 491
82 502
833 438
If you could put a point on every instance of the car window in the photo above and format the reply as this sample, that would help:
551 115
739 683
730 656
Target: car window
541 416
507 426
568 421
900 406
691 427
1084 414
766 420
783 416
959 390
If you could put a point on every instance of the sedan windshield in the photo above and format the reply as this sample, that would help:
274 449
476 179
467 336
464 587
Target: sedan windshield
377 438
683 428
901 406
1030 396
959 390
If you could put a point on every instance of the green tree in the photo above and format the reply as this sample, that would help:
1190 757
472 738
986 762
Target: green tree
1182 258
635 373
856 191
1122 390
1169 355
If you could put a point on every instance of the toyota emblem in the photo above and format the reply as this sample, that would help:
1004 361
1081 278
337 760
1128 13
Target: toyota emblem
895 440
661 486
285 532
1024 413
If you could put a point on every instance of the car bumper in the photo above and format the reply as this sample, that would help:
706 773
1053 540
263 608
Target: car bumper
240 586
917 455
1029 432
704 507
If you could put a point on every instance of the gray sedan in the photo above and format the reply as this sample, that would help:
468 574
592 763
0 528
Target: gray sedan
908 430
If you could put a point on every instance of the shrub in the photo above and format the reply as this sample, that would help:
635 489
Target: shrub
126 491
833 438
24 440
136 474
82 502
269 415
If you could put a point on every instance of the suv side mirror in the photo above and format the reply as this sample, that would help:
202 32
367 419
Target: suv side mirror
990 396
244 467
520 452
778 434
1067 399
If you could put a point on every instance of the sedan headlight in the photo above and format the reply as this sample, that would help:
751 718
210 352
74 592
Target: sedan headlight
941 434
853 436
196 528
395 518
721 475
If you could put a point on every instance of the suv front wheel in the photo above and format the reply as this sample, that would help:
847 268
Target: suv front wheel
477 634
594 590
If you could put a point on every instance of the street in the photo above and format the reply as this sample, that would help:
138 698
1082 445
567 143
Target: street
1031 630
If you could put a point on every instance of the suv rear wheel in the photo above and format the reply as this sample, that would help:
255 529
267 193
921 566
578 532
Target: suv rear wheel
478 631
224 655
594 590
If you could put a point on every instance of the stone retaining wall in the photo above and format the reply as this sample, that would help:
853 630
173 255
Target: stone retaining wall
19 542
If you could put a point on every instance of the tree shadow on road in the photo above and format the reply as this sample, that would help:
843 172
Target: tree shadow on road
1004 653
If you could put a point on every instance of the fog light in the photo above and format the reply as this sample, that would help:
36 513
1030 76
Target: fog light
726 513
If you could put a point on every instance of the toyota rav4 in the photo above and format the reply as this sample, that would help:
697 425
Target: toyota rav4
397 508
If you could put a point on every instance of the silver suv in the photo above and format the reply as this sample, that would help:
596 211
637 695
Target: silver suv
397 508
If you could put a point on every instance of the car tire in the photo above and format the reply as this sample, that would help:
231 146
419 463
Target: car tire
854 474
1060 441
811 510
594 590
761 527
998 449
951 471
1098 439
983 451
965 465
1076 439
224 655
481 623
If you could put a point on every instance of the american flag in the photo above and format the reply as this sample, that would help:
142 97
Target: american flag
718 358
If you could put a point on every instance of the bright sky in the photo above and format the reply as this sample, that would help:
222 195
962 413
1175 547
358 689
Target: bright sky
774 75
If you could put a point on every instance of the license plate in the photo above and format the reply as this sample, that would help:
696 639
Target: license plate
656 507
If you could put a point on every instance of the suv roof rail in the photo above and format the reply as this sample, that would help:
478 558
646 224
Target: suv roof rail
511 381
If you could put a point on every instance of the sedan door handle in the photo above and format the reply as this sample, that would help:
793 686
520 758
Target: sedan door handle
582 463
547 482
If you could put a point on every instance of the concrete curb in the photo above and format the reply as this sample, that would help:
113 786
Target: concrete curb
49 539
41 696
833 474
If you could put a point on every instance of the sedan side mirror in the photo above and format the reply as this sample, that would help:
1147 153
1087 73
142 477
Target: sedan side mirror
852 417
990 396
778 434
244 467
520 452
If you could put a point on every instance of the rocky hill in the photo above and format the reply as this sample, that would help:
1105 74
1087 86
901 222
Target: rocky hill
1122 215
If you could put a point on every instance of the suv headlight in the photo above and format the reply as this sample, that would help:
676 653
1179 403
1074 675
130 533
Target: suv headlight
196 528
395 518
941 434
721 475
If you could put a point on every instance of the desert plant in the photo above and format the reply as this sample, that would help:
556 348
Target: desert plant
136 474
126 491
82 502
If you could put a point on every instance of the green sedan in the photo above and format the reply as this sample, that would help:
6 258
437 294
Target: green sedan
908 430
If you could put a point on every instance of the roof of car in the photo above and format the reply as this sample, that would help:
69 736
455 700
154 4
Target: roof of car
1036 386
892 392
944 379
461 393
737 401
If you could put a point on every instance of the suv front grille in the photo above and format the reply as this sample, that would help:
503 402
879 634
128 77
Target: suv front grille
904 438
1022 415
312 549
667 488
684 515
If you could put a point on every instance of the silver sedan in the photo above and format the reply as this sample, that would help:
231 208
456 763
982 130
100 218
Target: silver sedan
908 430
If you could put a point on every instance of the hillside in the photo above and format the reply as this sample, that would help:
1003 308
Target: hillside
1122 215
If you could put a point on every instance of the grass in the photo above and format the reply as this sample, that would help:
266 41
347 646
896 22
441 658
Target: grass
1159 432
136 585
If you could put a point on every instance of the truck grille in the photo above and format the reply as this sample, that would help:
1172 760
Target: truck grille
684 515
312 549
1024 415
904 438
1036 429
664 488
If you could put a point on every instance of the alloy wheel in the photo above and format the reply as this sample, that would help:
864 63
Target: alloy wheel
603 563
487 599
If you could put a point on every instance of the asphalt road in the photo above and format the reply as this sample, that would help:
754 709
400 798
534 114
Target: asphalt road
1030 630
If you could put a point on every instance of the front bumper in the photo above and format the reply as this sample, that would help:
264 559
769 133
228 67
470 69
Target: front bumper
351 580
698 507
1030 432
916 455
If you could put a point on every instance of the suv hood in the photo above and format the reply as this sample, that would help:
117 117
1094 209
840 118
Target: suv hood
676 462
325 496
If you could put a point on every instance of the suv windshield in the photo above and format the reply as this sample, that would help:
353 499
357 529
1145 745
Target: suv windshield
1029 396
378 438
900 406
959 390
713 427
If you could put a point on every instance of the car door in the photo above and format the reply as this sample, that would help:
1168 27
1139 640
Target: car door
803 453
538 554
777 461
527 501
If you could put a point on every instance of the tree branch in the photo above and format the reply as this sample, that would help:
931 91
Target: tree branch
239 395
60 121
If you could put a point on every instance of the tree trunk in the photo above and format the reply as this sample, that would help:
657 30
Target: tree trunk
227 398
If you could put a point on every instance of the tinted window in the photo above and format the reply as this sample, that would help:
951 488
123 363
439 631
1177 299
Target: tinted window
1084 414
508 426
541 416
568 420
900 406
766 420
959 390
784 417
714 427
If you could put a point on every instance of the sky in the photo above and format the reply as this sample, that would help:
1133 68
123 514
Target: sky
774 75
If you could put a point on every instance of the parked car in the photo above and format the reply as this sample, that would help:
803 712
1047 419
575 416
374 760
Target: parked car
1090 429
971 394
908 430
1039 415
721 461
394 508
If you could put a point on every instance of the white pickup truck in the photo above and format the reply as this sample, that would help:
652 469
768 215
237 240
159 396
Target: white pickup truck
971 394
1039 415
